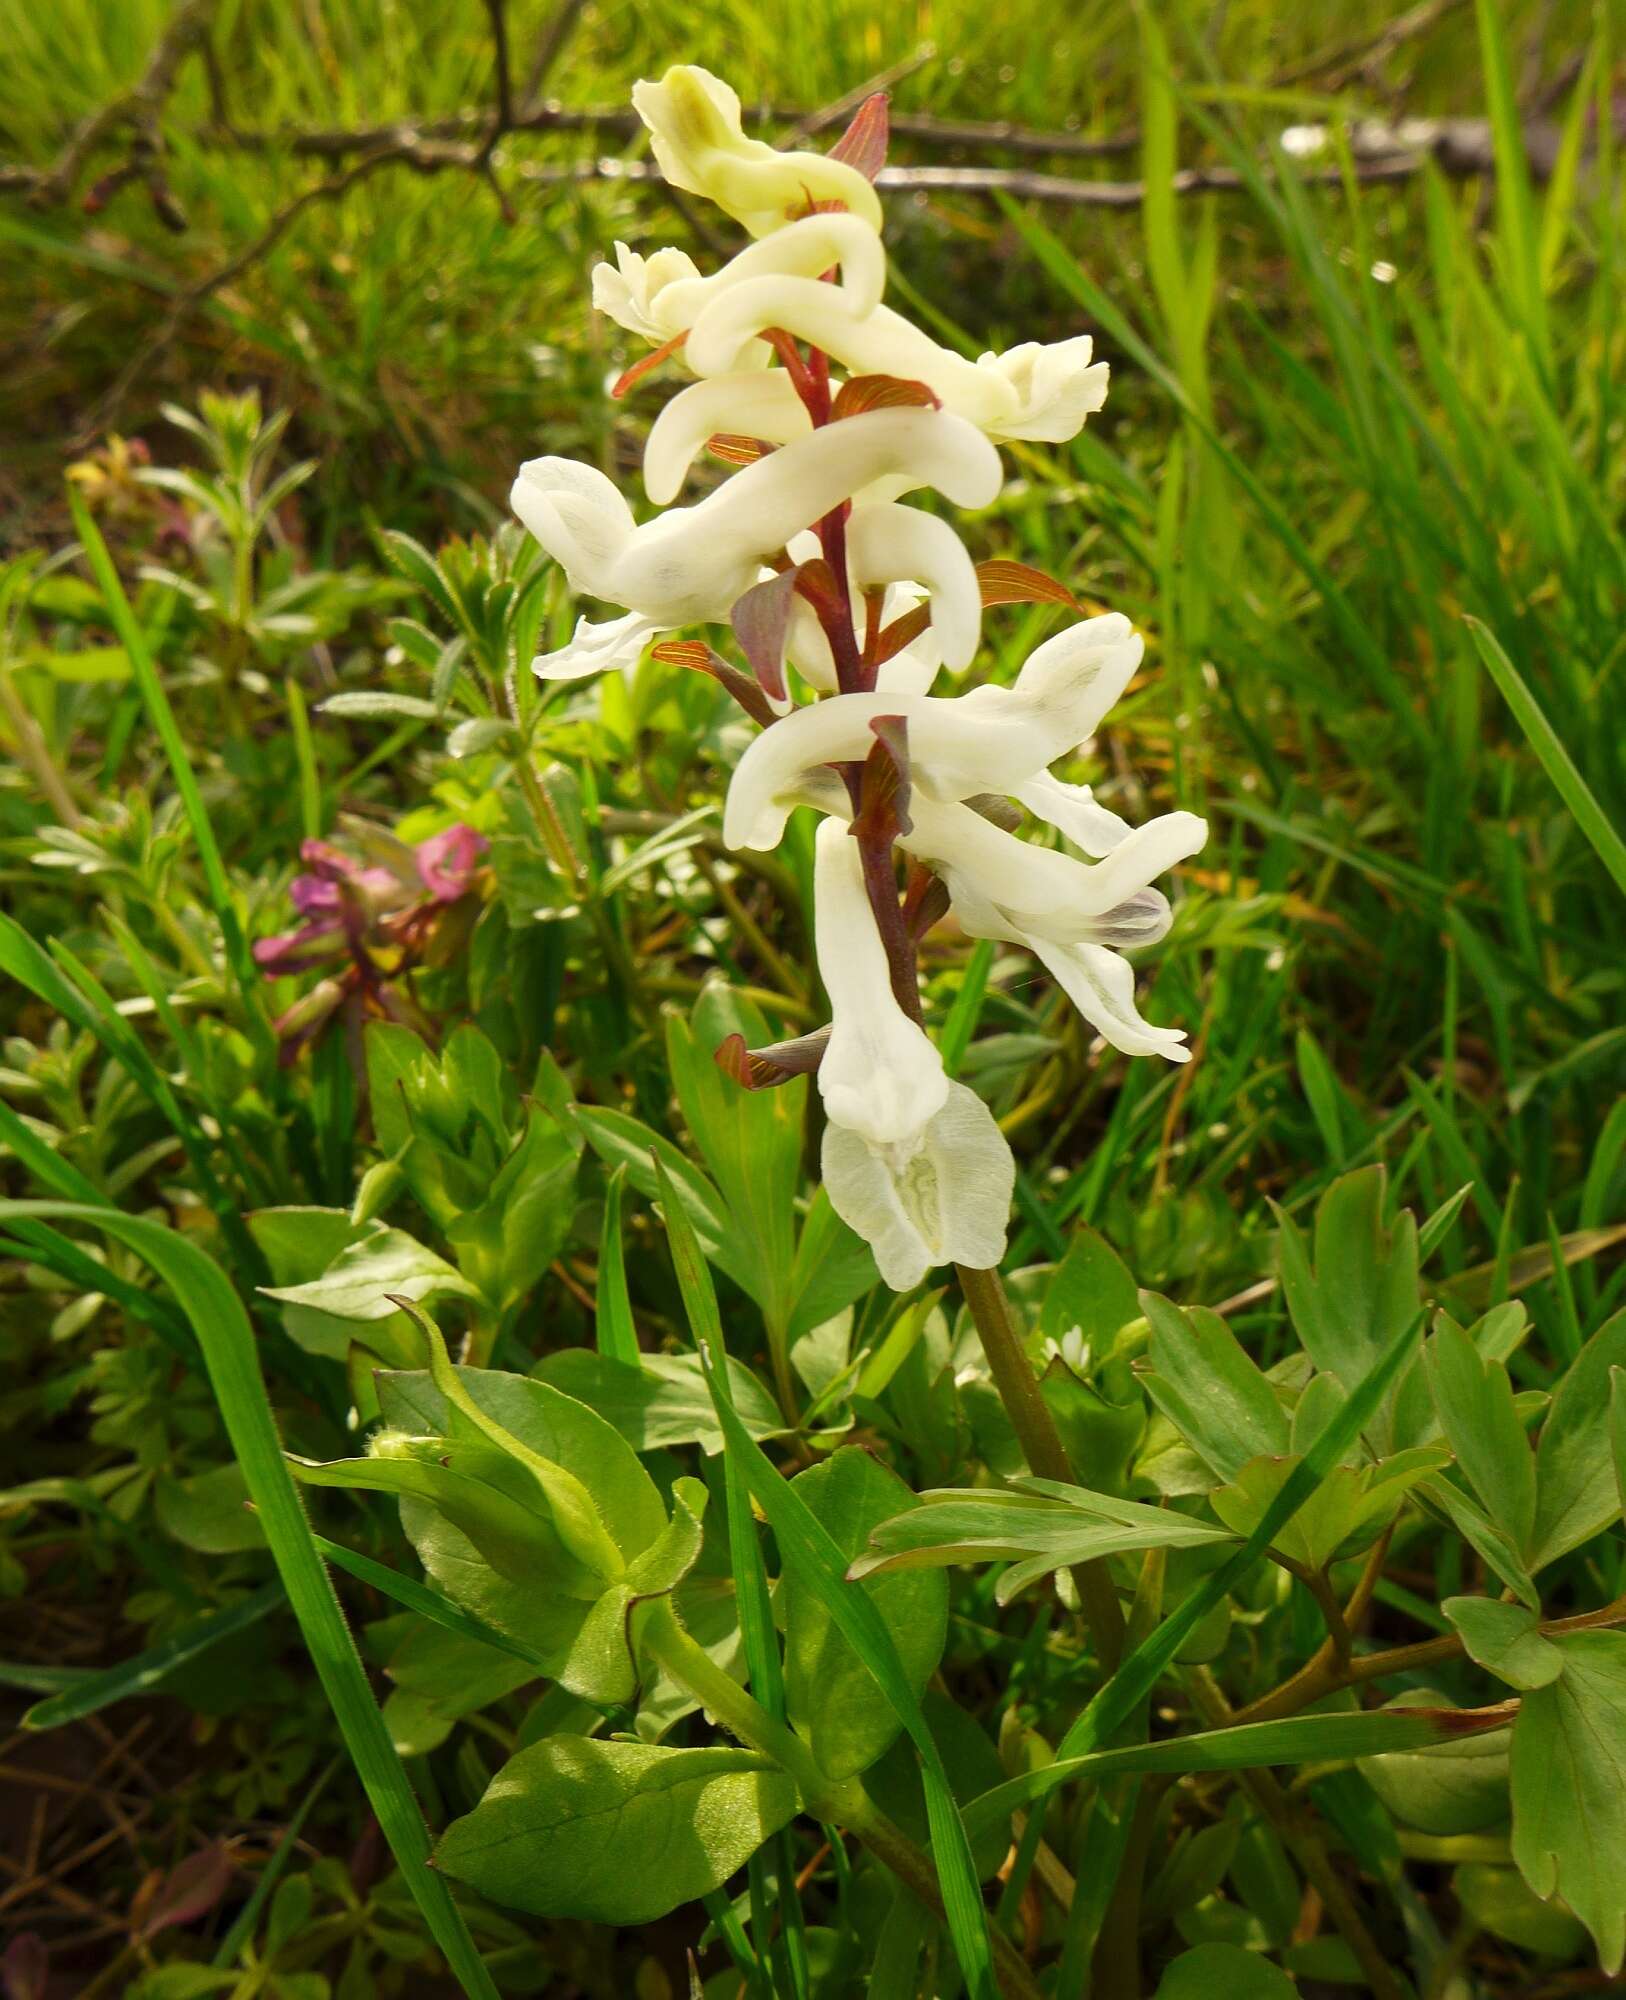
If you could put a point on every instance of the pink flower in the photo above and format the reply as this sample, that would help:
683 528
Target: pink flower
447 861
377 915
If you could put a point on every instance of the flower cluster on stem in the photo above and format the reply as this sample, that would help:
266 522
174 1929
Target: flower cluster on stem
834 408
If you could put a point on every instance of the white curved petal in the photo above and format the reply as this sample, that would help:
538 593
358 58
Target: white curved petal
759 403
807 649
1102 987
945 1200
579 518
630 291
878 342
1039 892
1143 919
1079 672
1074 812
700 146
595 649
1056 388
880 1075
690 563
802 249
886 542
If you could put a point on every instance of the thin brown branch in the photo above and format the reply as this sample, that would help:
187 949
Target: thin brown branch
138 108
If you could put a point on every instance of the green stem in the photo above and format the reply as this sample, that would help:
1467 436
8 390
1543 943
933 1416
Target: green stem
1323 1675
35 752
1041 1443
742 1715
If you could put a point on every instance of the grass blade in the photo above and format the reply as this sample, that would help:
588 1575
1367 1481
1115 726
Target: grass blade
223 1332
414 1596
142 666
1296 1739
763 1666
145 1672
1556 761
612 1321
249 1915
960 1022
807 1546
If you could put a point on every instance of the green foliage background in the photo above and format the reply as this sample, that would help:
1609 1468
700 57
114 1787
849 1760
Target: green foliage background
1360 481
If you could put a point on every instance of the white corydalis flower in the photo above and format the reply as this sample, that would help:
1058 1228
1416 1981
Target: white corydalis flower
701 147
1032 392
662 295
913 1162
690 564
1073 916
993 739
1038 391
880 1075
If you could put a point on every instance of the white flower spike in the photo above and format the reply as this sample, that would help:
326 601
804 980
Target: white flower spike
866 599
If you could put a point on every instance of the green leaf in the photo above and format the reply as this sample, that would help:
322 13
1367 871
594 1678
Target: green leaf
1363 1289
750 1140
1090 1289
209 1511
615 1833
613 1325
834 1266
549 1425
162 716
1499 1901
506 1244
1617 1429
397 707
1569 1787
663 1400
300 1244
1209 1388
1211 1969
408 1592
581 1638
1349 1510
1139 1672
1037 1533
439 1676
965 1010
1474 1402
1506 1640
1444 1788
230 1355
360 1282
621 1140
1482 1534
1576 1492
831 1698
1300 1739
